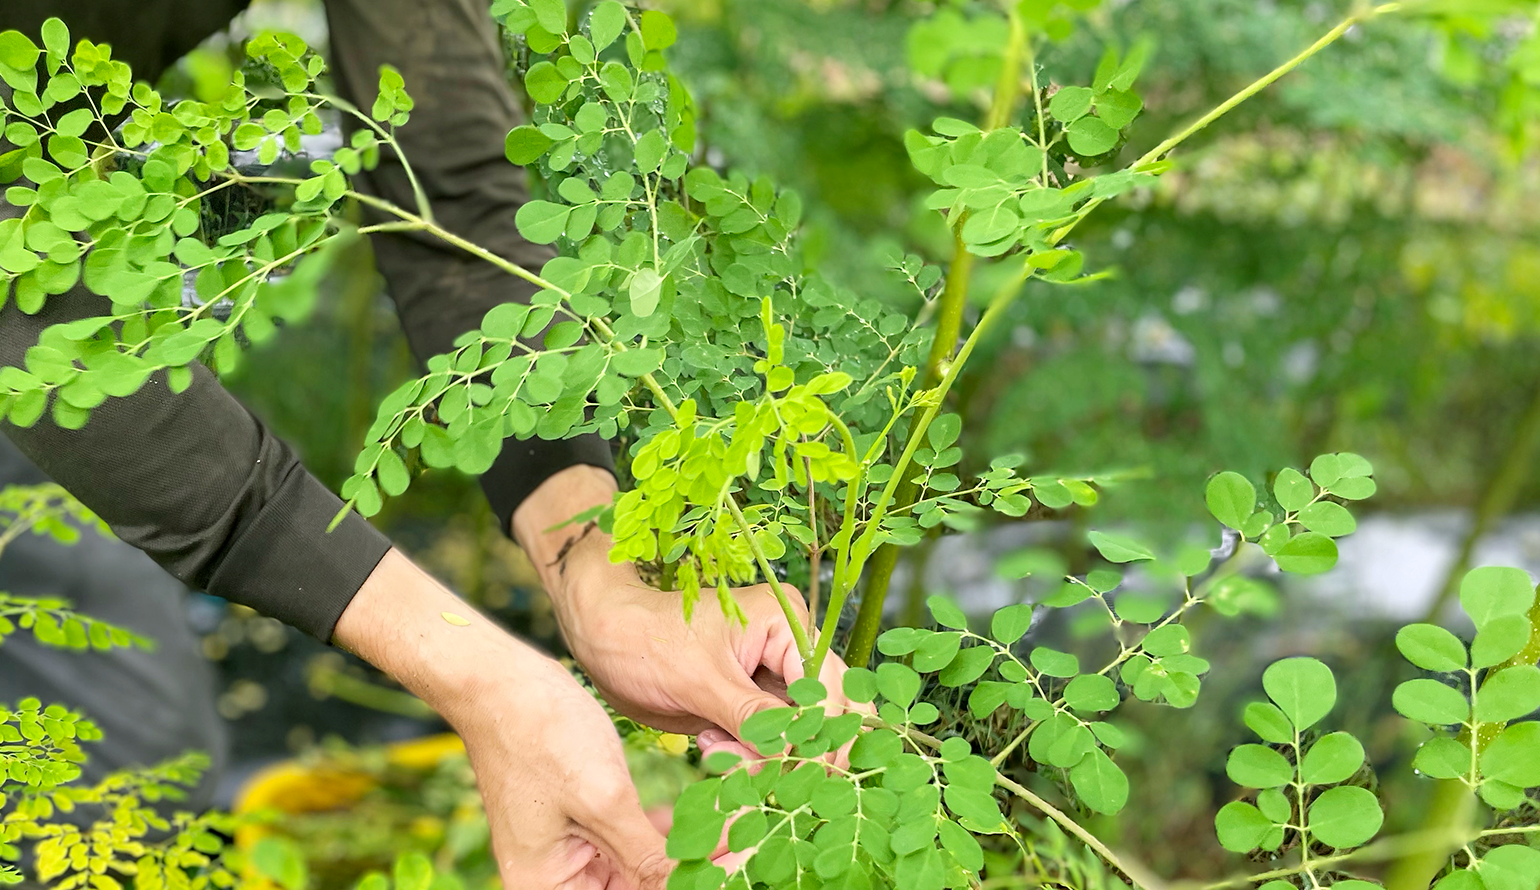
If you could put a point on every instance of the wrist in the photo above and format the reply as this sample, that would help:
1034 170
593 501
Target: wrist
570 557
436 645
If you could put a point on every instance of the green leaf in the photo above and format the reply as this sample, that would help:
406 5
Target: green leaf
1055 663
56 37
1443 758
1173 639
1499 639
650 149
526 144
606 23
551 14
657 30
860 685
1325 470
1333 758
1309 553
1116 548
1500 795
16 50
1011 623
936 652
1431 648
413 871
1292 489
542 222
1091 136
544 83
943 431
1268 723
1493 591
766 728
962 845
1118 108
946 613
1231 498
281 860
1091 692
1102 786
1509 694
1070 103
1345 816
645 290
1513 757
1258 766
1329 518
1241 827
969 665
1302 688
394 478
898 683
1510 867
697 827
1431 702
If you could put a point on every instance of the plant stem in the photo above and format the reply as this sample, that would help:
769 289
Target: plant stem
954 299
1138 875
804 648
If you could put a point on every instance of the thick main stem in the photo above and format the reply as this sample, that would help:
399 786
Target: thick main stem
954 299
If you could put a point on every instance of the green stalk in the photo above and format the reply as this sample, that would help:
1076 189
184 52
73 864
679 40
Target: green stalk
804 647
868 621
954 299
861 548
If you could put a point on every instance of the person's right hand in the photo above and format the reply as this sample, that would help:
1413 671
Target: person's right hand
562 809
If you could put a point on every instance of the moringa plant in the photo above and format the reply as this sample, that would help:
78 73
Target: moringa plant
773 420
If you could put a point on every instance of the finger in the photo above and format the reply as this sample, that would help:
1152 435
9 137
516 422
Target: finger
730 698
624 835
717 741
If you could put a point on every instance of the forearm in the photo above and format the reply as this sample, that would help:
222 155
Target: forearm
449 54
438 646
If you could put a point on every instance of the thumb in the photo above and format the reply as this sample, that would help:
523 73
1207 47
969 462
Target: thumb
625 835
731 700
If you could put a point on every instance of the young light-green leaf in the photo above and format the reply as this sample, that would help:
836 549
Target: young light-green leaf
1231 498
1302 688
1120 549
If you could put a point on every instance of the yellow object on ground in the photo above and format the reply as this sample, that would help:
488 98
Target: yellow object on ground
292 787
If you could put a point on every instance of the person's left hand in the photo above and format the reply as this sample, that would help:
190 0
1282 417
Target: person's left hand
703 677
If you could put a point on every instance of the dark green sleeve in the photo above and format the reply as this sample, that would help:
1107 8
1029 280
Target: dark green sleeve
449 56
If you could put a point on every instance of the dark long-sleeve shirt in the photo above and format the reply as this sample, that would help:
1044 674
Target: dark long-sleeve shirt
194 479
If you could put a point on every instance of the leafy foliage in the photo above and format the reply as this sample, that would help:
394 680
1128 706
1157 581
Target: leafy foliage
772 417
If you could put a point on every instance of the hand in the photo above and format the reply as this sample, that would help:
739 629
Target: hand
702 677
560 802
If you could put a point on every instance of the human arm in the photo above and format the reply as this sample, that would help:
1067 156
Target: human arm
561 805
